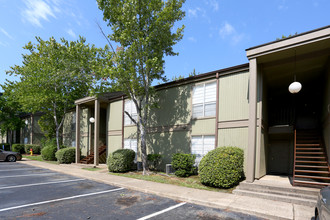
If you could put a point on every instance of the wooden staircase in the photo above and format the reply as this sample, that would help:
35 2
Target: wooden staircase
311 166
90 158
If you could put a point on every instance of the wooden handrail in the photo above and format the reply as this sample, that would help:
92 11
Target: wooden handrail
294 158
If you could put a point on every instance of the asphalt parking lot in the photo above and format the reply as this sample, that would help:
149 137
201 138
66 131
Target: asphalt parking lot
28 192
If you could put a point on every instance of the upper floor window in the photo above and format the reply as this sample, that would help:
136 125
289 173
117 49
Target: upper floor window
204 100
131 109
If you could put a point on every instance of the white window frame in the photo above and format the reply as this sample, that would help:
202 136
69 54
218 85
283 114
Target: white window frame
131 143
131 112
205 149
203 103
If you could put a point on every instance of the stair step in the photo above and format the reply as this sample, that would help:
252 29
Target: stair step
307 145
282 198
312 171
320 153
310 182
307 157
309 166
310 161
316 148
313 177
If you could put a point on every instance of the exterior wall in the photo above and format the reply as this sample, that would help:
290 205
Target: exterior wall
69 129
38 135
234 111
26 131
3 138
114 126
326 113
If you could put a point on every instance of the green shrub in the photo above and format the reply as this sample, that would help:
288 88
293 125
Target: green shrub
222 167
48 152
18 148
35 148
5 146
66 155
153 161
121 160
183 164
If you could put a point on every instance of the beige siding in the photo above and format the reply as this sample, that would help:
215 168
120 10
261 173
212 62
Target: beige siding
233 97
130 131
115 115
115 143
174 107
237 137
203 127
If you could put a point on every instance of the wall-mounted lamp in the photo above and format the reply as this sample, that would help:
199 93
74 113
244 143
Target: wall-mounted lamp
91 120
26 122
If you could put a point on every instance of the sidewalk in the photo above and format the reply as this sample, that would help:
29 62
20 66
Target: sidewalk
248 205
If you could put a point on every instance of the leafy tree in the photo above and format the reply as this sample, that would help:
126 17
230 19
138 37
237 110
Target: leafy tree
283 36
9 115
143 30
53 75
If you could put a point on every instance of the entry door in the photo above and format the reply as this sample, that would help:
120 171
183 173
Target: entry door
279 157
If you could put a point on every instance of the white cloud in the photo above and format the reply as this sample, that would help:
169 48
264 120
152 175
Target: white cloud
38 10
4 44
282 6
226 29
213 3
71 33
6 33
192 39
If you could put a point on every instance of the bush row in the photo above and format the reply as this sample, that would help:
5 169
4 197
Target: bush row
25 148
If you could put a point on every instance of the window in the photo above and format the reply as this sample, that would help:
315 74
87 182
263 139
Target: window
204 100
200 145
131 109
131 144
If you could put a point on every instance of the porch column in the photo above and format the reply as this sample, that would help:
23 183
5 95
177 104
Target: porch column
96 132
77 133
251 151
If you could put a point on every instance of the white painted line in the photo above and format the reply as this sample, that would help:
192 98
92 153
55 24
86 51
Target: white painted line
162 211
39 174
38 184
57 200
22 169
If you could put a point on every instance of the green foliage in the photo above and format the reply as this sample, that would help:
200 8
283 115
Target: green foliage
143 32
35 148
183 164
121 160
283 36
66 155
18 148
154 161
48 152
5 146
53 75
222 167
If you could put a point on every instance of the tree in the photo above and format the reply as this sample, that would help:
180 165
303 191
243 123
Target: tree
9 115
53 76
143 30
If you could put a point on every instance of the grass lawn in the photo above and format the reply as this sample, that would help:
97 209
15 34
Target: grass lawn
92 168
191 182
38 158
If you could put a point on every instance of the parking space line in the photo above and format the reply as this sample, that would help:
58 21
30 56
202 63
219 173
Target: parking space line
21 169
162 211
38 184
57 200
39 174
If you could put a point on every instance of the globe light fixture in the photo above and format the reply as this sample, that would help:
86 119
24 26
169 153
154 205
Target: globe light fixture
91 120
26 122
295 87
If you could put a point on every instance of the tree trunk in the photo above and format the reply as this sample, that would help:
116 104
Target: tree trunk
57 139
143 148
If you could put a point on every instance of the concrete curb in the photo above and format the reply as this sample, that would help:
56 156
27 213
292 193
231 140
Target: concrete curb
228 202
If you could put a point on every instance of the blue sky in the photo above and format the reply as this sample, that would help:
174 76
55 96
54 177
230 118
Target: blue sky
216 35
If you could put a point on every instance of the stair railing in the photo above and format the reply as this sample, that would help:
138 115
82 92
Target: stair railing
294 158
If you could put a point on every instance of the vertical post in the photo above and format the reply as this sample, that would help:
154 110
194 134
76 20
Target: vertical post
77 133
217 112
96 132
122 124
31 134
251 152
90 133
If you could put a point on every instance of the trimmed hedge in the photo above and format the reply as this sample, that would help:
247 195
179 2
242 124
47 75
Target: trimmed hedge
18 148
121 160
5 146
222 167
35 148
154 161
183 164
66 155
48 152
